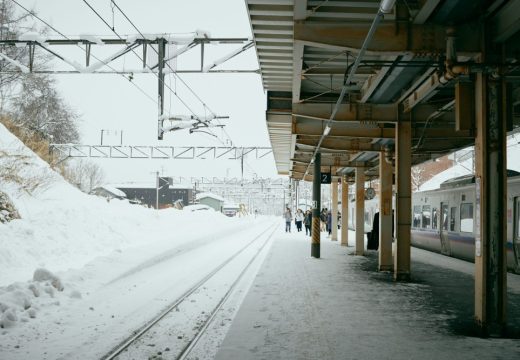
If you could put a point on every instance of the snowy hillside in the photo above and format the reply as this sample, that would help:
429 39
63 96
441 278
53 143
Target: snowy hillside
63 231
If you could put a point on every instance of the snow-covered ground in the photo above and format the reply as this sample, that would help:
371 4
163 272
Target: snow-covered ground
77 270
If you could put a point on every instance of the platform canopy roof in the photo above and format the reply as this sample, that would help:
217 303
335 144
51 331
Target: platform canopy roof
306 48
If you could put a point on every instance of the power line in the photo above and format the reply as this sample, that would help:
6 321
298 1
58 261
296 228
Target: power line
167 64
176 75
140 58
66 37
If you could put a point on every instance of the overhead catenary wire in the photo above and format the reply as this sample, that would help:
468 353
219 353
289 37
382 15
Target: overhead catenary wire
167 64
140 58
177 76
66 37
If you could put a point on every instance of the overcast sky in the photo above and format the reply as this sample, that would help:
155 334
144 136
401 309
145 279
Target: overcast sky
111 102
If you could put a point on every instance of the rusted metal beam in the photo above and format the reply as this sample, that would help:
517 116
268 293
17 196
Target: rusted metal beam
385 214
309 129
334 144
316 204
389 38
491 206
360 211
328 162
348 112
403 202
344 211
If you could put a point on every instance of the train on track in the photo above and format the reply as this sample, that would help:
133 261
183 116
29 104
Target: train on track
444 220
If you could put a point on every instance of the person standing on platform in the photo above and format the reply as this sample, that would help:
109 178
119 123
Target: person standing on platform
299 219
373 236
307 221
329 222
323 219
288 217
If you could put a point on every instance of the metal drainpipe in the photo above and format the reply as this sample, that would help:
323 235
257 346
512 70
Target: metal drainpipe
452 68
385 8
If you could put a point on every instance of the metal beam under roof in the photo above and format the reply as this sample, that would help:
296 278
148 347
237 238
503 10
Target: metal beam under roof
306 48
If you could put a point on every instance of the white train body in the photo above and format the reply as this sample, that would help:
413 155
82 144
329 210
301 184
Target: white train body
444 220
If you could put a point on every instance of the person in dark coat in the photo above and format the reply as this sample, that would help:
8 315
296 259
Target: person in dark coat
323 219
329 222
373 236
307 221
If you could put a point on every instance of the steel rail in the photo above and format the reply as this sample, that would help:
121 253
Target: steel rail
125 344
193 342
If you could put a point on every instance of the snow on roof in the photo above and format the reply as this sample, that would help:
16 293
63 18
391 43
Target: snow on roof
466 167
149 185
210 195
114 190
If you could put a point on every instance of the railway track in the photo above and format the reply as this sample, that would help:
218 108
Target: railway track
190 345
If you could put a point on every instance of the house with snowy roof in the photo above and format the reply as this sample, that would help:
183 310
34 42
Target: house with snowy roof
166 194
212 200
108 192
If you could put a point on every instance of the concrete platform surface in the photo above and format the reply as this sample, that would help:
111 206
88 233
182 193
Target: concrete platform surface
340 307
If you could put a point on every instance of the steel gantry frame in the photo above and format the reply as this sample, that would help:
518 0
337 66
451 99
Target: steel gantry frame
158 152
131 44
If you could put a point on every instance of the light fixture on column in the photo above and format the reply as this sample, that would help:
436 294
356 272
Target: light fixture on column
386 6
326 131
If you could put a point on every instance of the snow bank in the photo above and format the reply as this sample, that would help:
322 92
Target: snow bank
62 229
197 207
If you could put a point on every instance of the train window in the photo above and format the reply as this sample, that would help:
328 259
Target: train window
466 217
444 216
434 218
426 216
453 216
416 216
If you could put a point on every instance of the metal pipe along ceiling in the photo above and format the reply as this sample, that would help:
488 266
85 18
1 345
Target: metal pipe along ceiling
385 7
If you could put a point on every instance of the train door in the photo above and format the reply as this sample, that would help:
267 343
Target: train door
444 228
516 232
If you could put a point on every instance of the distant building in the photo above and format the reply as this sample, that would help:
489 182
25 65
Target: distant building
425 171
214 201
169 194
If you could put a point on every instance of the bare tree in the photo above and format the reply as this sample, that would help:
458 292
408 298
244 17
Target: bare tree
12 25
94 175
418 177
40 109
85 175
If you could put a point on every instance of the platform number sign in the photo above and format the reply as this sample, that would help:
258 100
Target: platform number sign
325 177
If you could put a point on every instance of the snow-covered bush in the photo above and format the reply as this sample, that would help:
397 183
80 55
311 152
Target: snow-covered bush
15 168
7 209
